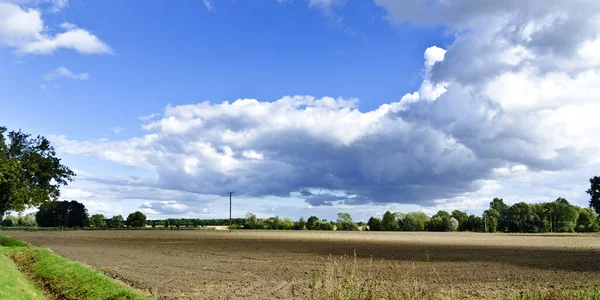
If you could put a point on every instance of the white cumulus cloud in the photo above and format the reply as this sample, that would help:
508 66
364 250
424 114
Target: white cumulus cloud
24 30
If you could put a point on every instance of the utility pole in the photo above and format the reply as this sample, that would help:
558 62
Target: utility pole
230 193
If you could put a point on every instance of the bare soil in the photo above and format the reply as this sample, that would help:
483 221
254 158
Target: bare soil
203 264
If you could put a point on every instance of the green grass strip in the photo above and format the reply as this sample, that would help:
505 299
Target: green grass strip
13 284
60 277
10 242
68 279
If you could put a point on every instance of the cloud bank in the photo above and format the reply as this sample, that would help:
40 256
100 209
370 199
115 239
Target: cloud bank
514 96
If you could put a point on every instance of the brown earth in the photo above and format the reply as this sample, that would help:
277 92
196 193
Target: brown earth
203 264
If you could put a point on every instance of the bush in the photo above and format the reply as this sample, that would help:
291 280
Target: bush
8 222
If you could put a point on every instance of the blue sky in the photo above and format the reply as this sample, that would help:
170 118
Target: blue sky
433 105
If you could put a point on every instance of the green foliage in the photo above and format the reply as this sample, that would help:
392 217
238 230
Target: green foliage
324 225
6 241
442 221
374 224
115 222
474 223
136 220
503 210
594 192
388 222
415 221
344 222
62 214
14 285
97 221
9 221
491 219
312 223
300 225
462 219
30 172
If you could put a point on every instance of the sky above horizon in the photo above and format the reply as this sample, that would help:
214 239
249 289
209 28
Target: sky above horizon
307 107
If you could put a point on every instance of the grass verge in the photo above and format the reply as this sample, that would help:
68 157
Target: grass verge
59 277
14 285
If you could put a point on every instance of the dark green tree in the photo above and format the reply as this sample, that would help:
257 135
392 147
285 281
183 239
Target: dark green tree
62 214
503 209
594 192
522 218
300 225
9 221
312 223
30 172
462 218
97 221
374 224
136 220
388 222
117 221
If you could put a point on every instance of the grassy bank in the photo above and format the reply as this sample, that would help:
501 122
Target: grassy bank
14 285
57 276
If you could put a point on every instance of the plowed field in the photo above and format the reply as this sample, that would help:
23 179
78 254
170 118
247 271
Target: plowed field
202 264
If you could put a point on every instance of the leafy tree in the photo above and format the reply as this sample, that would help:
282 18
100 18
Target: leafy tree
30 172
503 209
474 223
587 220
388 222
97 221
452 224
374 224
399 216
26 221
461 217
62 214
300 225
442 221
324 225
594 192
136 220
117 221
344 222
287 224
252 222
312 223
491 219
415 221
522 218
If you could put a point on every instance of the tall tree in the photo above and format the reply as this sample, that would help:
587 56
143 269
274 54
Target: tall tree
312 223
98 221
117 221
136 220
374 224
62 214
30 172
388 222
461 217
504 220
594 192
